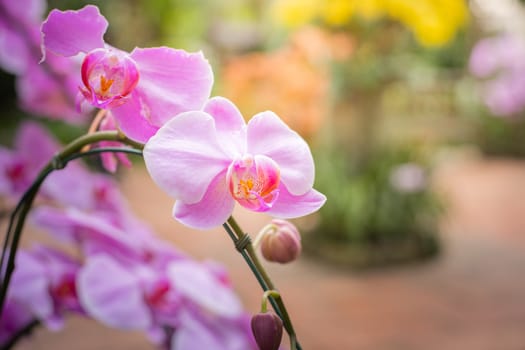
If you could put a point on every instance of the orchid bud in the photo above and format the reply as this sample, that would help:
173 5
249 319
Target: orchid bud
267 330
281 242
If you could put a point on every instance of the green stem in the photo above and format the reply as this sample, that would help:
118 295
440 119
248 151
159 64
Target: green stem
252 267
268 285
59 161
265 230
264 303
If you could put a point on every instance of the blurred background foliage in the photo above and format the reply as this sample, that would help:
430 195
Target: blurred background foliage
377 87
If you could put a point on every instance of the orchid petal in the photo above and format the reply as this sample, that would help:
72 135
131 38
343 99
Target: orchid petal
213 210
197 283
268 135
35 144
113 297
171 81
290 206
229 124
194 335
109 162
130 119
14 51
30 285
42 94
69 32
185 156
24 11
69 178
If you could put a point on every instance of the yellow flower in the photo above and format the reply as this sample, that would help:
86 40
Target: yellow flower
433 22
294 13
370 9
337 12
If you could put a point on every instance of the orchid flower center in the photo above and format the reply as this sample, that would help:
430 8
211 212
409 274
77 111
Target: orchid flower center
64 293
15 171
157 296
254 181
108 76
65 289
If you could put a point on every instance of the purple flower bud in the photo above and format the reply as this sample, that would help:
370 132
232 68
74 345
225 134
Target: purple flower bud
281 243
267 329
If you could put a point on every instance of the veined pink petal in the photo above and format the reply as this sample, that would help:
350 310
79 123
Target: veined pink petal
229 124
213 210
268 135
185 156
131 121
69 32
289 206
171 81
113 297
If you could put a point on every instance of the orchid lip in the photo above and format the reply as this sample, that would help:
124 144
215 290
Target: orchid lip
253 182
109 76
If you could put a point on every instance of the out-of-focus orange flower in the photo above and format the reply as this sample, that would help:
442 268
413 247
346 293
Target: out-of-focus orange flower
292 81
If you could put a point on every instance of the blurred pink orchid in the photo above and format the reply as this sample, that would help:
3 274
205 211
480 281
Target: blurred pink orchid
33 148
144 89
157 299
44 282
501 61
146 285
210 159
43 89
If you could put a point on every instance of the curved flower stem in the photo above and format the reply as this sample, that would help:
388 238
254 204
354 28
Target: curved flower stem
266 295
59 161
270 228
25 331
264 279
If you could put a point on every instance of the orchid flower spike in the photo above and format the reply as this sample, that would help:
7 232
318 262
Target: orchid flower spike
211 159
144 88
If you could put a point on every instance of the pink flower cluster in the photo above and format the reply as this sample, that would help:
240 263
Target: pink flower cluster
500 61
198 149
146 285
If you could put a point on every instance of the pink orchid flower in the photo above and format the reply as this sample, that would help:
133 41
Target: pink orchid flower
209 160
144 88
18 19
43 89
44 281
501 59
